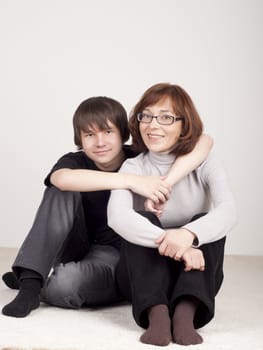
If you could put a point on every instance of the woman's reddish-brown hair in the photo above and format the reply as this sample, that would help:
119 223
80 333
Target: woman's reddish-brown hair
183 106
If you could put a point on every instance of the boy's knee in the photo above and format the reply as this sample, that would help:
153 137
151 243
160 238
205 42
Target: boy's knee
54 192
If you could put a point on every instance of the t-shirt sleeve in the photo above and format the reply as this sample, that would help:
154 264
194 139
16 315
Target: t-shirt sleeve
68 161
125 220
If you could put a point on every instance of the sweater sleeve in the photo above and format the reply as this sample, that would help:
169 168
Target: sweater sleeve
223 215
124 220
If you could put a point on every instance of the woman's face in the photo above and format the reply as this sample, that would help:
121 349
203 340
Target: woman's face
158 137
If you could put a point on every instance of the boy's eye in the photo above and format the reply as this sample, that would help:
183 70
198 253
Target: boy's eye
108 131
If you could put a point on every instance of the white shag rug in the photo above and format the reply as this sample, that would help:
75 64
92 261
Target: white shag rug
238 324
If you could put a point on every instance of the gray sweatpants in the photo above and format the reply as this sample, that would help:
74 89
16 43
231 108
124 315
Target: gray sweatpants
82 273
90 281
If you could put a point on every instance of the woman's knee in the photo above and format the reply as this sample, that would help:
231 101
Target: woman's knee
151 217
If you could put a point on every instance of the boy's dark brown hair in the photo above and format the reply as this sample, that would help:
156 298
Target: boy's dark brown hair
96 112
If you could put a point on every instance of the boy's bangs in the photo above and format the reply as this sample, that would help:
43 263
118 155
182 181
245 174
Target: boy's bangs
95 122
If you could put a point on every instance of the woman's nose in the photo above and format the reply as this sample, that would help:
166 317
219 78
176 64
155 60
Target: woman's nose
154 122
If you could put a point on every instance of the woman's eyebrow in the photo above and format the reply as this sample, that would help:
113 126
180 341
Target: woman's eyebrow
161 110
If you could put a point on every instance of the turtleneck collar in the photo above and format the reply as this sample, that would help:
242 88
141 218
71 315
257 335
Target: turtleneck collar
161 158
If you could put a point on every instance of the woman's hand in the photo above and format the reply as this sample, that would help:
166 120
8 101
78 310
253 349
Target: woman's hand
175 242
155 208
154 188
194 259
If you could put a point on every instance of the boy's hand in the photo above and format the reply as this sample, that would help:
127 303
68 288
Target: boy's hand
152 187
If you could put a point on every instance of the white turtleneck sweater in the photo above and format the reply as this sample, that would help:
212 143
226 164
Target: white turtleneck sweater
203 190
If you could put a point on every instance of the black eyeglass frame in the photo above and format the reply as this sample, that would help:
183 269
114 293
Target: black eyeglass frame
173 120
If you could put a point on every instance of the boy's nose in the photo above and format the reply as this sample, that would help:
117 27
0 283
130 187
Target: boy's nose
100 140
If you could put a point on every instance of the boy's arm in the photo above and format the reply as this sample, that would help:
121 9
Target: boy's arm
85 180
153 187
185 164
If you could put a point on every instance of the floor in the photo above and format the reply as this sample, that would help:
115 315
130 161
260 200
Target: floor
238 324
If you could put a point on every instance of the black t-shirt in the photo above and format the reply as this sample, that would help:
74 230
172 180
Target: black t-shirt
95 202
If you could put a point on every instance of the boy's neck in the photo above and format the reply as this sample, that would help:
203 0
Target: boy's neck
114 164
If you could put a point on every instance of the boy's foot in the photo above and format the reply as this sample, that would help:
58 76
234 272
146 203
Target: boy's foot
26 300
10 280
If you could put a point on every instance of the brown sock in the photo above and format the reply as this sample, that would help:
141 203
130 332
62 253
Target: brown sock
184 332
159 330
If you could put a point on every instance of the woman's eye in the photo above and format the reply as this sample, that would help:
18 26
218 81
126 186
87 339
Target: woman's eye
166 117
146 116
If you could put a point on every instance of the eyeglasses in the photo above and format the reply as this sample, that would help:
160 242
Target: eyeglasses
163 119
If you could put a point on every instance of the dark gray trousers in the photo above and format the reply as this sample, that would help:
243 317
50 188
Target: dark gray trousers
146 279
83 273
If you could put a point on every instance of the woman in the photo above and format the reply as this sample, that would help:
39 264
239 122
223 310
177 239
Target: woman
172 268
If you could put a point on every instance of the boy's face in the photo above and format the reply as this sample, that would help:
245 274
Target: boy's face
104 147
